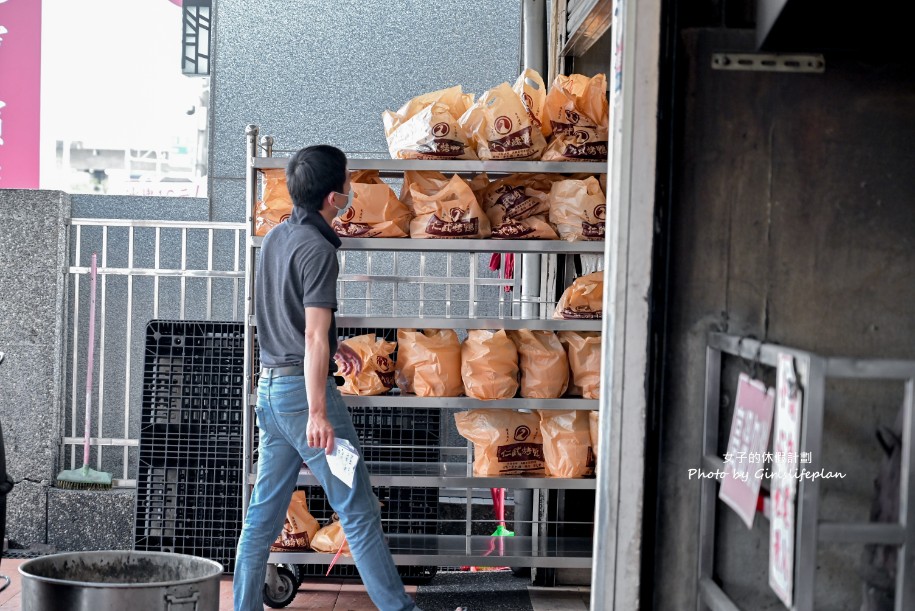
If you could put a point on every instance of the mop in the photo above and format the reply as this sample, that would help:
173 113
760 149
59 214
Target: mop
498 504
86 478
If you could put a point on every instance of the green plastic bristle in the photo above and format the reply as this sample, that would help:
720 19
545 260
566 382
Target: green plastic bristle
84 479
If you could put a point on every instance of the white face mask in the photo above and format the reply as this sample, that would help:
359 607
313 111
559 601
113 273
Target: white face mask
349 202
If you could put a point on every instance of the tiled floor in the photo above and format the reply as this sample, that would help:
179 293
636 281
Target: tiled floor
333 595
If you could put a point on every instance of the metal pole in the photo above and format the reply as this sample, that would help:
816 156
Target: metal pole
247 423
533 16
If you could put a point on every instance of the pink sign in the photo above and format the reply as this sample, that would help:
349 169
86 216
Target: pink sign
746 455
20 93
786 441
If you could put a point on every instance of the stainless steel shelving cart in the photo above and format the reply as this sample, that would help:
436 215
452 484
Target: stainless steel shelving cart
540 549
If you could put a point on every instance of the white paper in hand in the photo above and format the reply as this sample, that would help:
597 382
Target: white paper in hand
342 461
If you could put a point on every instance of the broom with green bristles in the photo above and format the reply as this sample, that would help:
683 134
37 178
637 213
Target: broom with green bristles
86 478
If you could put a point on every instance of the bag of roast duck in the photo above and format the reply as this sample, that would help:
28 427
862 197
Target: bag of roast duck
594 424
543 362
429 363
427 182
583 349
530 88
566 443
331 538
500 128
578 117
375 213
427 127
451 213
489 365
517 206
299 528
583 299
578 209
276 204
366 365
478 184
505 442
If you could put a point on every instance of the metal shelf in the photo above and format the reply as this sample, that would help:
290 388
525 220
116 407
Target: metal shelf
538 324
449 475
396 166
414 402
460 550
405 400
547 247
509 324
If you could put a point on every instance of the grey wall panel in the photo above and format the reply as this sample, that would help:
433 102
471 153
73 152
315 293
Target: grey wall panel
794 222
310 72
140 207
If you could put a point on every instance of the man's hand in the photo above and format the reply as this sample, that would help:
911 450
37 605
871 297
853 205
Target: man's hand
320 433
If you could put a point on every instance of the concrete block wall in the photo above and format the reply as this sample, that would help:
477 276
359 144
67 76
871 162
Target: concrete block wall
36 329
33 247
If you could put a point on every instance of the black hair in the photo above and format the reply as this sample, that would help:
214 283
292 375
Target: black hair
313 172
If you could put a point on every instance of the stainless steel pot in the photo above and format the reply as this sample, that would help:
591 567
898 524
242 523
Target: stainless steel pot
120 581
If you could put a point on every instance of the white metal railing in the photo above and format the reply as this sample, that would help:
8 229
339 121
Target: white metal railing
147 270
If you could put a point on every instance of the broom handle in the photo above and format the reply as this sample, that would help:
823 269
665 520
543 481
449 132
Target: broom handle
90 360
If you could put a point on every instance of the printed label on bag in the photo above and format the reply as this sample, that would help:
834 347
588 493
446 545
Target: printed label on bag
515 202
452 229
441 147
582 314
511 229
520 452
518 144
593 231
594 150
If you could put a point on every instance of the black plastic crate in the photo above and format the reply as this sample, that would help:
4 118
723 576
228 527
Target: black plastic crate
190 456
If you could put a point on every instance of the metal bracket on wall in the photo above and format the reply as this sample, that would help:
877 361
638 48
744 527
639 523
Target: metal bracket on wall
769 62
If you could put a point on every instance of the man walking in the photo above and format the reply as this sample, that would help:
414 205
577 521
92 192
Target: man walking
299 410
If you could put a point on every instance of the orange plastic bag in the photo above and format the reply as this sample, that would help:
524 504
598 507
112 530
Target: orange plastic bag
427 182
429 363
517 196
330 538
594 424
566 443
584 299
544 364
478 184
583 349
489 365
578 208
452 212
299 528
531 228
427 127
276 205
579 116
505 442
500 128
365 364
517 206
376 212
530 88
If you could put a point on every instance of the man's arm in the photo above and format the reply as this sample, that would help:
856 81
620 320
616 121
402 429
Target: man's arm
320 433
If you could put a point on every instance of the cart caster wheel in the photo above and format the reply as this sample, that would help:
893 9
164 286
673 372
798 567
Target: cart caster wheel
282 595
297 571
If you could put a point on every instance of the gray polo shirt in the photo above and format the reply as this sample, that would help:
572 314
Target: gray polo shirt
297 269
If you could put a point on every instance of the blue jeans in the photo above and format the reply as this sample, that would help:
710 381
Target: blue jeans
282 416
